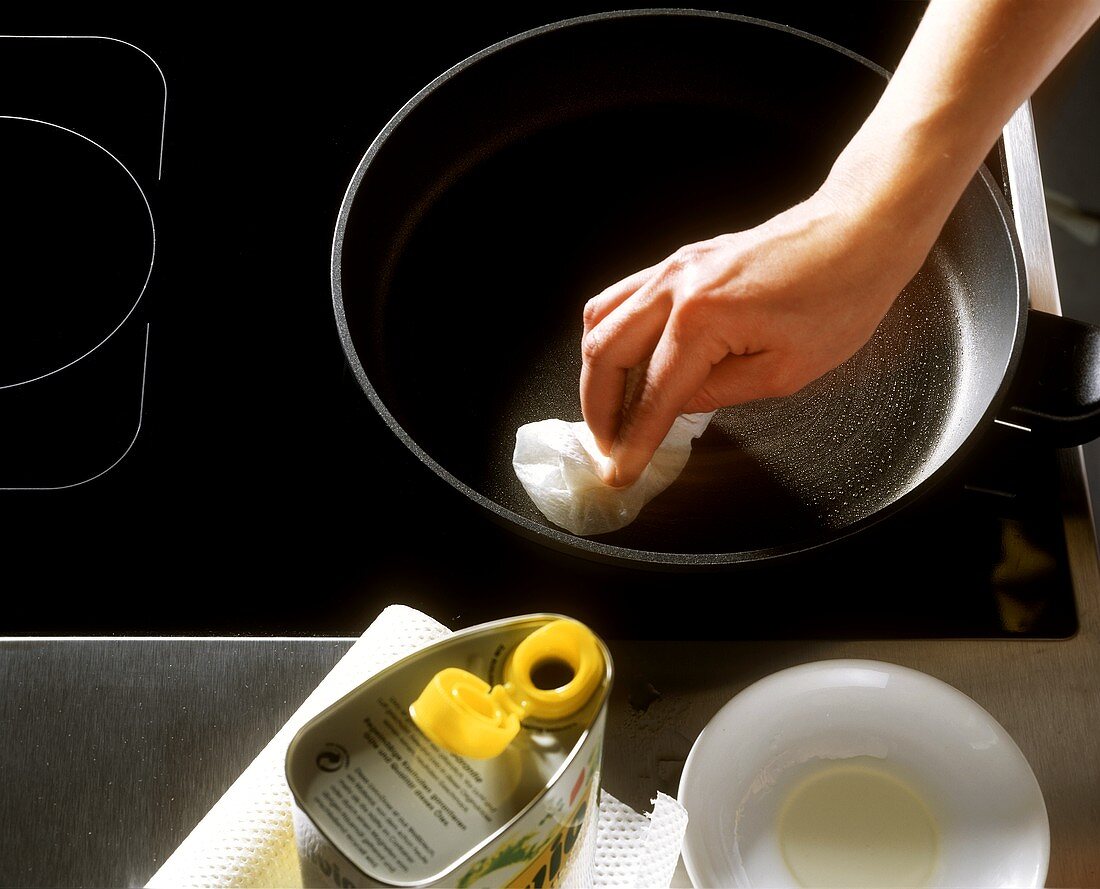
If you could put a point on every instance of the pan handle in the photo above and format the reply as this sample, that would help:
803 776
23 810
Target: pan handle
1055 392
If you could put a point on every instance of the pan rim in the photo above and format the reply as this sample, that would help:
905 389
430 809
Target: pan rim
570 543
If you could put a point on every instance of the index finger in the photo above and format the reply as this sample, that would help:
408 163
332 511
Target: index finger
621 341
679 367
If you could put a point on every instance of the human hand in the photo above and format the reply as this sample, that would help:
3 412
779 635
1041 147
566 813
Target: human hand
754 314
763 312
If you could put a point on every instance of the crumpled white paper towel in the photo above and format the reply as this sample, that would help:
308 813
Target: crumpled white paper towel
247 838
558 465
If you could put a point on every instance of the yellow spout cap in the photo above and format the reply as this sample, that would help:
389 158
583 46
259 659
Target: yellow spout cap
459 712
563 644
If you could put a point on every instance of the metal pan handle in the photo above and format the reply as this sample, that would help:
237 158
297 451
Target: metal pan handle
1055 392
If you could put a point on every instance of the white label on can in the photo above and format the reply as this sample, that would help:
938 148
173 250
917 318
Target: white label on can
408 808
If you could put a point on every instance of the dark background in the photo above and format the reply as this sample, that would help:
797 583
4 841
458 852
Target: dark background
262 493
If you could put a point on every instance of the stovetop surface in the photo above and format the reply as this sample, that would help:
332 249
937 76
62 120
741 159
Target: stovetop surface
212 467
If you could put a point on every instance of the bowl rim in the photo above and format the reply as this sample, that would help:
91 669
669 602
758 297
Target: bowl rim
791 678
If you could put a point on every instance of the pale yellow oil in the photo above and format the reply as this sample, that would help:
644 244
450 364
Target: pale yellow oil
856 825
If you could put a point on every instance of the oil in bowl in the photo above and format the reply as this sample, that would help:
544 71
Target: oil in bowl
854 824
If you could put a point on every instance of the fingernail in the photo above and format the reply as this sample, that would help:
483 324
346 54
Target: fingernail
613 473
607 470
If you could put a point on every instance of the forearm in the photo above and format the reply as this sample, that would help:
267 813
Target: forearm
970 64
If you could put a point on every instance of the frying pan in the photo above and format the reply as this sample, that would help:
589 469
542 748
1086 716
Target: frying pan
540 170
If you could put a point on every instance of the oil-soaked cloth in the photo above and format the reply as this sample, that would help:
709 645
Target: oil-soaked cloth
247 838
558 465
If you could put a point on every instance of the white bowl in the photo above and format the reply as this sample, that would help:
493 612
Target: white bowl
783 733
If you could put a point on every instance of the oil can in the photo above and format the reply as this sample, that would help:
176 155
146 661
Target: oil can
472 762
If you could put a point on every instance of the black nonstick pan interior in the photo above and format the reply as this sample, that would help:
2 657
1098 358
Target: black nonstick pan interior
519 185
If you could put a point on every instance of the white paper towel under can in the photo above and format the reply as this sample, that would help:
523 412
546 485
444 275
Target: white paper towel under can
379 804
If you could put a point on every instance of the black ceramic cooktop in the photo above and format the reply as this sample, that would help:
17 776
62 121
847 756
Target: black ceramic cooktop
183 448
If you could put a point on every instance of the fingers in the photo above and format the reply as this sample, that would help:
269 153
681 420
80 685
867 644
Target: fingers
622 339
681 363
606 301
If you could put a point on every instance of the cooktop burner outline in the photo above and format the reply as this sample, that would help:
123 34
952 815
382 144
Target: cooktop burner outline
156 64
152 251
29 109
122 456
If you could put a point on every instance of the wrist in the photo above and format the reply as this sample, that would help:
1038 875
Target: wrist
902 174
